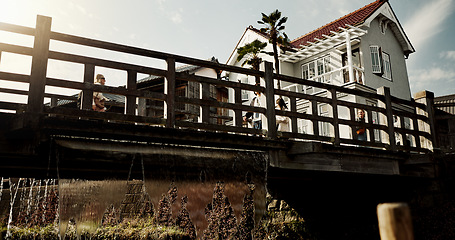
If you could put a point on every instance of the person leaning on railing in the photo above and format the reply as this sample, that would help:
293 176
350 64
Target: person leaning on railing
248 117
282 122
98 98
361 131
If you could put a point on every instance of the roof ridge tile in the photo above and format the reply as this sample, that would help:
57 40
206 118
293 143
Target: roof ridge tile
354 18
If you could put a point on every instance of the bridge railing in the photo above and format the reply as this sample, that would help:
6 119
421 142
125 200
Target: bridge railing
393 123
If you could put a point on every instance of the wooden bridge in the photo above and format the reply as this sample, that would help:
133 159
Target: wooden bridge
35 134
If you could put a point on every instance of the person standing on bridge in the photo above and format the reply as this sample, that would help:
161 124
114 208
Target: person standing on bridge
282 122
98 98
361 130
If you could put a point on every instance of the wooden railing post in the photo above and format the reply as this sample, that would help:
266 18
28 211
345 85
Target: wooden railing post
39 65
336 124
427 98
394 220
415 127
389 116
169 90
87 94
130 106
429 102
293 102
54 102
371 130
352 117
314 112
142 107
238 118
270 101
205 109
404 141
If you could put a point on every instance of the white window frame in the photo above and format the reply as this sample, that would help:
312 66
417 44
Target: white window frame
244 93
387 66
376 66
315 68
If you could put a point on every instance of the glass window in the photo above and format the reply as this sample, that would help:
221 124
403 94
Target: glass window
305 72
320 67
316 68
327 66
387 74
311 70
375 59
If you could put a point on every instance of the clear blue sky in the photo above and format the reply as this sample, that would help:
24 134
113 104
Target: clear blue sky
206 28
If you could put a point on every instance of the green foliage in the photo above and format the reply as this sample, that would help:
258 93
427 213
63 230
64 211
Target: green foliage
274 27
220 216
45 233
132 229
161 224
183 220
282 223
139 229
251 49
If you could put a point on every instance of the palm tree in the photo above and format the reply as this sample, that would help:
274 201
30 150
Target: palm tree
274 28
251 52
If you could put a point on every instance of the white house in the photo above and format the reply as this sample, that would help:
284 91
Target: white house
365 49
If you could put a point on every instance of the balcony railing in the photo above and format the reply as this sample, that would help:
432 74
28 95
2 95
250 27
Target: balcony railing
337 76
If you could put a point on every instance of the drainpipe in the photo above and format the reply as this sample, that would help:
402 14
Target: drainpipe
349 52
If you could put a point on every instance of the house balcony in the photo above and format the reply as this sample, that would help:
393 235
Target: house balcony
338 77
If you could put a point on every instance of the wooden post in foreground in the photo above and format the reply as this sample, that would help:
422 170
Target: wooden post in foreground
169 90
389 116
395 221
427 98
270 101
39 64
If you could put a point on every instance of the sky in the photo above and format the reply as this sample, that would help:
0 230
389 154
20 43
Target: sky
205 28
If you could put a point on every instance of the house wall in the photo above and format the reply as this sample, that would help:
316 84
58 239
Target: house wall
248 37
206 72
399 85
287 68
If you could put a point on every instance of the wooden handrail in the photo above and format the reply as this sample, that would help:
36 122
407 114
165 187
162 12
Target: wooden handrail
39 65
17 29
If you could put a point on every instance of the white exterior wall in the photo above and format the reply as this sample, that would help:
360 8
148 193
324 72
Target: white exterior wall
206 72
399 85
248 37
389 43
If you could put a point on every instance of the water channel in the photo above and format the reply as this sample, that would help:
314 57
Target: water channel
158 193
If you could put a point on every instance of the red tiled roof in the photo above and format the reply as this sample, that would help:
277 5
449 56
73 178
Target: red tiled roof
355 18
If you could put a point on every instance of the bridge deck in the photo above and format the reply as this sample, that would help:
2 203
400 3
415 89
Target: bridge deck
86 147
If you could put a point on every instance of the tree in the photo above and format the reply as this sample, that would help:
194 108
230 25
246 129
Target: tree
251 52
274 26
